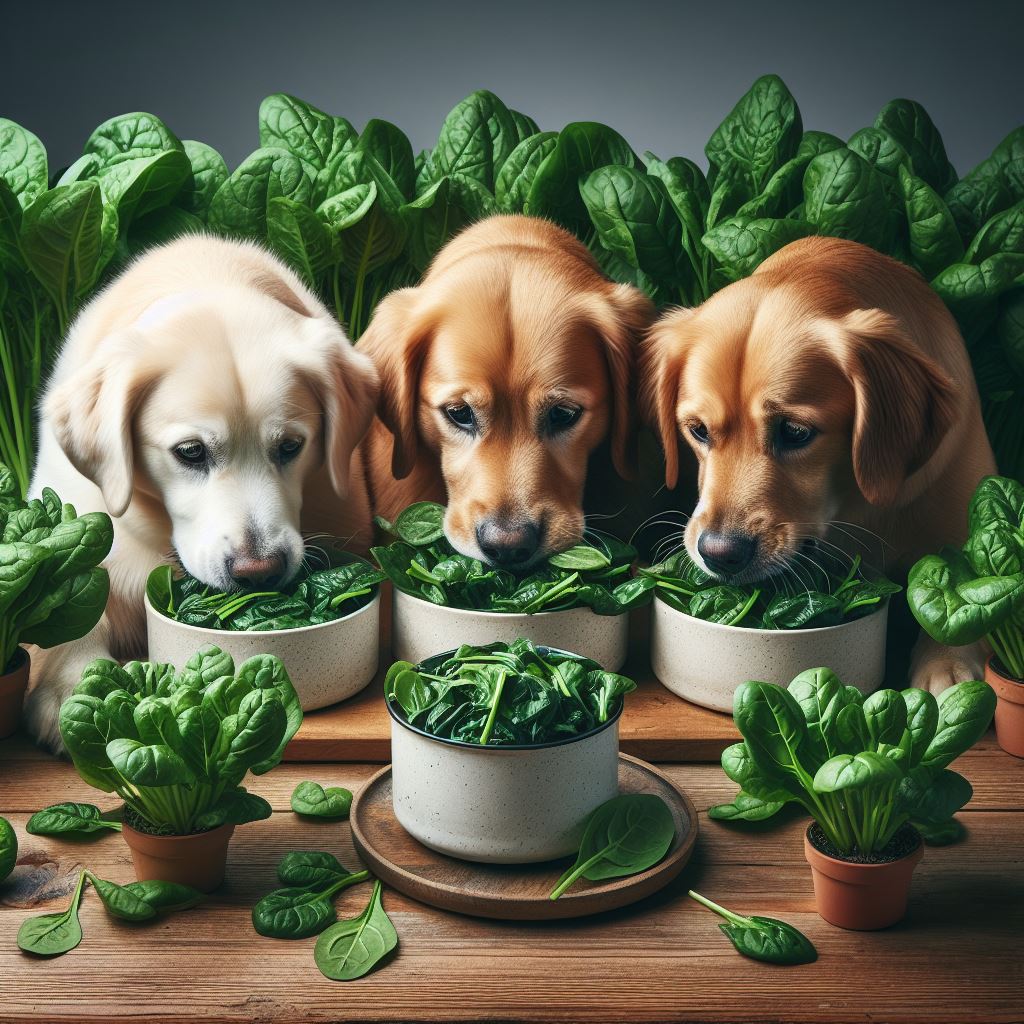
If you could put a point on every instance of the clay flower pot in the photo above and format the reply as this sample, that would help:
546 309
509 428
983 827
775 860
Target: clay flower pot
197 860
861 897
1009 708
13 685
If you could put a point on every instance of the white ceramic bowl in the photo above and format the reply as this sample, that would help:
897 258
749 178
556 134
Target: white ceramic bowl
326 663
500 804
420 630
705 661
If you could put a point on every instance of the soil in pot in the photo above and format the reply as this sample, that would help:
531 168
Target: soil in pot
197 860
1009 707
13 684
862 892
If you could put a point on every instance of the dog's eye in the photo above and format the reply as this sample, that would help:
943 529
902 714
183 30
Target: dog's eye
462 416
794 435
562 417
699 432
191 453
289 448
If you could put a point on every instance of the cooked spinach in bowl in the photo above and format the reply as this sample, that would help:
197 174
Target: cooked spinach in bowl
816 595
420 562
505 694
311 599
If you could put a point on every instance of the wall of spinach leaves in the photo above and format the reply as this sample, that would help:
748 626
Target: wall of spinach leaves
358 213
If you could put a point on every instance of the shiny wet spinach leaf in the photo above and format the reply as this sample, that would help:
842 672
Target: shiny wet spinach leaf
314 801
70 819
352 948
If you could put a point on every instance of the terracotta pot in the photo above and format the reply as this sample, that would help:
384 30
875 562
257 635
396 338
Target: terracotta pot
13 685
1009 709
862 897
197 860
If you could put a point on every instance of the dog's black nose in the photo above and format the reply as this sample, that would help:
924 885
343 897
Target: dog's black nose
249 572
726 553
508 544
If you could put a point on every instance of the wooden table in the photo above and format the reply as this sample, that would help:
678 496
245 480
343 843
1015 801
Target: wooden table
956 958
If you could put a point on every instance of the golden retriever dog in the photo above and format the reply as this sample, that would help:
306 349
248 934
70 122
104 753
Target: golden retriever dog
501 374
828 395
212 405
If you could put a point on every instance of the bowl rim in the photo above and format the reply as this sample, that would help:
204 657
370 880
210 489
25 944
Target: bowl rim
253 633
488 613
757 631
612 721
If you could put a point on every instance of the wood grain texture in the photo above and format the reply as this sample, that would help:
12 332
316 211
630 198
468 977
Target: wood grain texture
512 892
955 958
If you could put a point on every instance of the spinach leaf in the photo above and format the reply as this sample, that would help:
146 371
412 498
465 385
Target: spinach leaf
310 869
8 848
165 897
352 948
844 196
70 819
624 836
54 934
120 902
312 800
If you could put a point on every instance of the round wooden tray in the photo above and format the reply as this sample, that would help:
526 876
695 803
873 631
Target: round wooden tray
515 892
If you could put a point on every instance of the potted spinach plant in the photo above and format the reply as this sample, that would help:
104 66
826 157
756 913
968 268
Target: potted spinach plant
52 589
575 599
872 772
176 746
976 592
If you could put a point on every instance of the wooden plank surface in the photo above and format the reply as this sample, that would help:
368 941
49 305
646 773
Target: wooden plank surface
656 724
956 958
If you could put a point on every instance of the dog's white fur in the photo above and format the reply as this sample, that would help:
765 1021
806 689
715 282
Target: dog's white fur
209 340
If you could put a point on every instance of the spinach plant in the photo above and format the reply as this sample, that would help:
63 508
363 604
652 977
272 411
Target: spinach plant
624 836
312 599
822 595
762 938
422 563
312 800
352 948
70 819
176 745
54 934
52 588
306 906
862 767
976 592
8 848
504 694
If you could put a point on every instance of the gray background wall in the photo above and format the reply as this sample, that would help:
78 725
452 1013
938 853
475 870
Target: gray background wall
662 73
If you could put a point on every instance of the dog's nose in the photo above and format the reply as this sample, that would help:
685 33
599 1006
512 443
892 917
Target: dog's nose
508 545
726 553
250 572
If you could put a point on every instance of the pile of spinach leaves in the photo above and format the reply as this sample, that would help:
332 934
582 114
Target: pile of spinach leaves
962 595
52 588
422 563
862 767
819 594
311 599
505 694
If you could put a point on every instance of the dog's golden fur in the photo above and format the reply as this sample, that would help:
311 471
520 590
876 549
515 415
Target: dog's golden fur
831 335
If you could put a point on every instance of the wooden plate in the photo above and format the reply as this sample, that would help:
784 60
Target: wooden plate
515 892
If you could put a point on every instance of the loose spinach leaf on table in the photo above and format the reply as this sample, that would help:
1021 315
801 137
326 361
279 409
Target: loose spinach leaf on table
422 563
54 934
8 848
504 694
314 801
352 948
70 819
624 836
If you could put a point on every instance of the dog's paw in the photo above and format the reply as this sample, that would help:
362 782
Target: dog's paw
41 714
942 667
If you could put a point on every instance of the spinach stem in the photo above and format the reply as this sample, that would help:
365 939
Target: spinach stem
721 911
499 686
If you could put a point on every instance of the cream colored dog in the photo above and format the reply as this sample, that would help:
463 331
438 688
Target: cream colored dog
210 403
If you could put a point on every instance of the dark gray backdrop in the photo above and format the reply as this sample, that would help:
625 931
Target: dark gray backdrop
663 73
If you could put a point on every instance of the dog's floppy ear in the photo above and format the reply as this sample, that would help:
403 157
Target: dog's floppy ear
91 414
397 341
661 365
620 316
346 385
905 402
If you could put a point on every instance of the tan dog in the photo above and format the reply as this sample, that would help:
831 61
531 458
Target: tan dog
501 373
829 394
210 403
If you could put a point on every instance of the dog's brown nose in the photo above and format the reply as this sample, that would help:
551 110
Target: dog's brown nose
508 544
251 572
726 553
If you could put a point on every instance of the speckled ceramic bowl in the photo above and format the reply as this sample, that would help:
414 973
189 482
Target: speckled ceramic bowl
500 805
705 661
420 629
326 663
